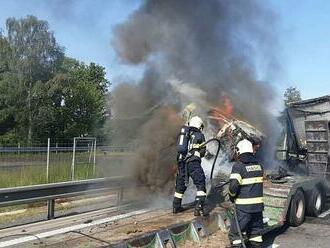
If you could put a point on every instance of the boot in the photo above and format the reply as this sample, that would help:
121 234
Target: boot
199 207
177 208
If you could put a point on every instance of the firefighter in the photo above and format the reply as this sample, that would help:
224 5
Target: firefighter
246 192
189 165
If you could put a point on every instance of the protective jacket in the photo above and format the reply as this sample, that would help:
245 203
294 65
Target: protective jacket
195 151
246 184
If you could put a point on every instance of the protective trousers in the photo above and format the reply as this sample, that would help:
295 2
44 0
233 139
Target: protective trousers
251 224
195 171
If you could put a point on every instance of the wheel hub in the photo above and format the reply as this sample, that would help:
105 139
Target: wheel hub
318 202
300 209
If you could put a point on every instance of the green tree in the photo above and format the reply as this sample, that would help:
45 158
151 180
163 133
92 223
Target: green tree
74 102
85 107
291 94
34 58
7 93
43 93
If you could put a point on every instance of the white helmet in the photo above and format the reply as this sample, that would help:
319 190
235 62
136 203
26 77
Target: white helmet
196 122
244 146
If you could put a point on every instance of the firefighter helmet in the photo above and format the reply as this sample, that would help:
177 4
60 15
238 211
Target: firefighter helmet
244 146
196 122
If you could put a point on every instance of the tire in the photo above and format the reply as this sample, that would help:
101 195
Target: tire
297 209
315 202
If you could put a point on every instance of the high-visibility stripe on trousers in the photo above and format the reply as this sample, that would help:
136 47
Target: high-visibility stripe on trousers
237 242
201 193
256 239
178 195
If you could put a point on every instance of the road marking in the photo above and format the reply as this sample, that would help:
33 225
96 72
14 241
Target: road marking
69 229
324 214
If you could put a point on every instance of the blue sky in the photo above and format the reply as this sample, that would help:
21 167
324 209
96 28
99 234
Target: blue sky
84 28
305 45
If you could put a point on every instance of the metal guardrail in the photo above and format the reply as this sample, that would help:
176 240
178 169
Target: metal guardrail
52 191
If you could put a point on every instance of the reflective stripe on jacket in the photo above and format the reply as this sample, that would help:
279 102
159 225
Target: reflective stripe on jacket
246 184
196 152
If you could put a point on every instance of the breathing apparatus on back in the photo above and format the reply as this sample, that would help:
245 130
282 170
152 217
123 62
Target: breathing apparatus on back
183 144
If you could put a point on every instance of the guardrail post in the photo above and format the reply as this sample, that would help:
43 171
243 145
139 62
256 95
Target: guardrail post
120 195
48 154
73 158
51 209
94 159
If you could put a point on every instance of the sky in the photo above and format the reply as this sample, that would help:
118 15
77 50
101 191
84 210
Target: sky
305 45
84 28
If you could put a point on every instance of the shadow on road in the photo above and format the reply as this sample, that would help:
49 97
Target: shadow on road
270 236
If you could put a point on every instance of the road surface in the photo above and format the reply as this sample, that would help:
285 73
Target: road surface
314 233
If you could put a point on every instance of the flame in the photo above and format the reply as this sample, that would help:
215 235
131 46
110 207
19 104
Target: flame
222 113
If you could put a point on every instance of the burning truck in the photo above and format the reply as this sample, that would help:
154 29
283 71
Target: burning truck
299 186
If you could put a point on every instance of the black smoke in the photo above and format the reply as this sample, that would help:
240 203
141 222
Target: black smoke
215 48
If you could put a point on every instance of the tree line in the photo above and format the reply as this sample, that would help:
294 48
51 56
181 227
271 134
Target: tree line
44 93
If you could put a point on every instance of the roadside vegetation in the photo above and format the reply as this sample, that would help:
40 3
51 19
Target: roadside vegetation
43 93
30 169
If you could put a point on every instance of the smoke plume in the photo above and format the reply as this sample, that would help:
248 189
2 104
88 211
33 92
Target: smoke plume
192 51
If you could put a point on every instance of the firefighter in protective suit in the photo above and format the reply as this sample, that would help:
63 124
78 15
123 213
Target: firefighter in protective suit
246 191
190 166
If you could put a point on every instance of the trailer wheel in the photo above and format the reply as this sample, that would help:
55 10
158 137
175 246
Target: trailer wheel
297 209
315 203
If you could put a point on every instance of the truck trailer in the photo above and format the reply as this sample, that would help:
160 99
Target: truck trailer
301 185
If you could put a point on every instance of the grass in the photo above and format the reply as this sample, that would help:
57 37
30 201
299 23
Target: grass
30 175
30 168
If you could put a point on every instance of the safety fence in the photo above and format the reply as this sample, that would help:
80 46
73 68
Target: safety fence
50 192
49 161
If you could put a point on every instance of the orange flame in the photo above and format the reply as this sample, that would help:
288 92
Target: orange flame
222 113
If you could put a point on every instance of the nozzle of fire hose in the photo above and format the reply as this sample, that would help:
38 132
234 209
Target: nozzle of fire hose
203 144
